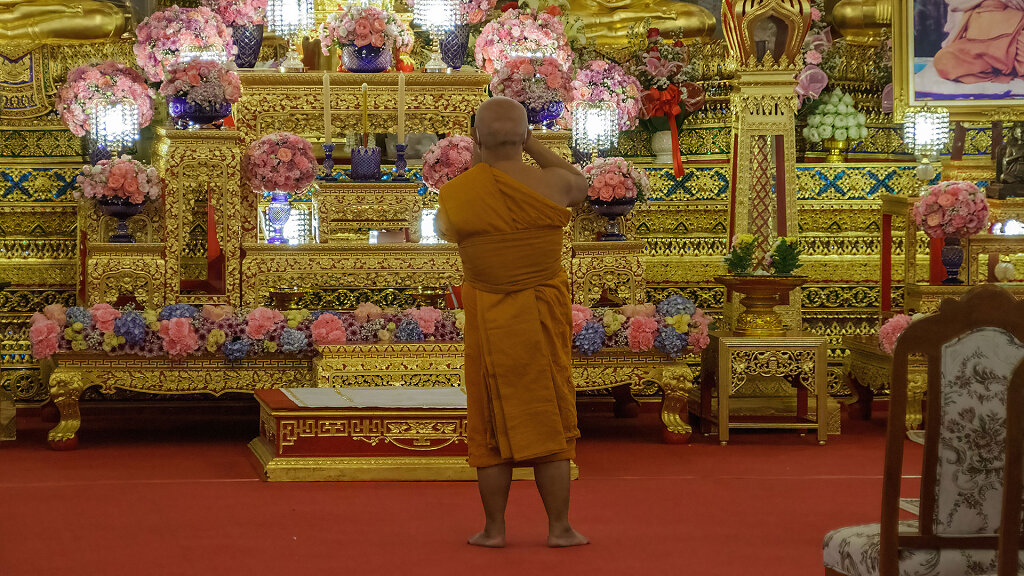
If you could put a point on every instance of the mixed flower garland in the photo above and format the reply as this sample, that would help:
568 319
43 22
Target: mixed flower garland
119 179
108 83
239 12
204 83
182 330
280 162
362 26
600 81
613 179
533 82
446 159
955 209
162 35
520 32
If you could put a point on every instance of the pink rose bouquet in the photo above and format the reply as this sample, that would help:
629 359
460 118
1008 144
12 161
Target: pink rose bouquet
164 34
891 330
518 33
472 11
239 12
614 179
119 178
364 25
534 83
601 81
106 83
279 162
206 83
179 337
954 209
447 159
44 334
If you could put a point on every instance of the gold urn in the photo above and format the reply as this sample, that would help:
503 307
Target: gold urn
761 294
835 150
863 21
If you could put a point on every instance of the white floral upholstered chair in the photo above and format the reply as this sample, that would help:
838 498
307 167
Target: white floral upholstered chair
972 451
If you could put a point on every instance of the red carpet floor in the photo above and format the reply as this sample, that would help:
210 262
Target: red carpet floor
173 491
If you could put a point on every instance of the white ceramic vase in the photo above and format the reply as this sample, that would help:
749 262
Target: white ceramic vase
661 145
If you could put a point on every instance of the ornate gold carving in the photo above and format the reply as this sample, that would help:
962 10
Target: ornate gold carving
136 270
347 266
676 382
427 365
612 266
613 367
408 433
347 207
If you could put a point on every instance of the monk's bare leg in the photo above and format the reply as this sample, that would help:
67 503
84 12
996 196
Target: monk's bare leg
494 483
553 484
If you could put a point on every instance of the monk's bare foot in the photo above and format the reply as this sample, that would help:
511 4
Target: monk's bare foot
487 540
566 538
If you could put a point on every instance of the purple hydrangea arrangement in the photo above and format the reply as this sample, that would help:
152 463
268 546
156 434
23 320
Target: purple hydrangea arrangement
235 350
589 340
670 342
293 341
408 331
177 311
132 327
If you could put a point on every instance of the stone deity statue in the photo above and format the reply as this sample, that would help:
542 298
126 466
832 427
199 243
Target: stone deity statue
608 22
42 20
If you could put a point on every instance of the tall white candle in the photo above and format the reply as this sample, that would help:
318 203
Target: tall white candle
328 129
401 107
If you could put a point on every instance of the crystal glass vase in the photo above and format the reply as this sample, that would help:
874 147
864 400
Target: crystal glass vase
952 256
545 116
454 46
612 210
248 40
185 114
122 210
365 58
278 213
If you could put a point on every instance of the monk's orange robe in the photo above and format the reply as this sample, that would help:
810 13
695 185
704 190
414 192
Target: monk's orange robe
521 401
988 47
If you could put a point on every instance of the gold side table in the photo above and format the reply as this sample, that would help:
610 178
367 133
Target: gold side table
868 372
798 357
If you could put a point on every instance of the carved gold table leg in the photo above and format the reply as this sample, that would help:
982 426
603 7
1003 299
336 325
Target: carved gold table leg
676 383
916 386
66 387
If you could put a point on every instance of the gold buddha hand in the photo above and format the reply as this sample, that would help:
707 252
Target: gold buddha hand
42 20
608 22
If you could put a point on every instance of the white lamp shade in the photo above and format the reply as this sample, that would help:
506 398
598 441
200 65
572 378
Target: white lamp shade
926 130
288 18
114 125
594 125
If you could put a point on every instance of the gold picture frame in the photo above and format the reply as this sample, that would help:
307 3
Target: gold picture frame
908 78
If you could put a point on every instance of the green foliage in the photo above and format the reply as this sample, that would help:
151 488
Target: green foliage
785 256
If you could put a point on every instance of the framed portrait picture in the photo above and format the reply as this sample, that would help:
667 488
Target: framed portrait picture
965 55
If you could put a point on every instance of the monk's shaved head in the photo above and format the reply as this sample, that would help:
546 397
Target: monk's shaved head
501 124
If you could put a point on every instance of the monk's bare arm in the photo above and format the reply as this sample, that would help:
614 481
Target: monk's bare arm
571 183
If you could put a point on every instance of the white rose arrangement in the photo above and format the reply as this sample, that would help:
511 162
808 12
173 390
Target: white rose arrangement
834 116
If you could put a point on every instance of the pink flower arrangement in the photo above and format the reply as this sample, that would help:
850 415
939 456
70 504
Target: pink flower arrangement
44 335
517 33
262 320
535 83
122 178
613 179
662 63
160 37
812 79
427 317
641 332
279 162
474 11
106 83
366 311
601 81
238 12
953 209
364 25
56 313
891 330
179 337
699 323
103 315
328 329
580 316
447 159
205 83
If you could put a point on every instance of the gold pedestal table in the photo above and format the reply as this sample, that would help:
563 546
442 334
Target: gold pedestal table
869 372
734 364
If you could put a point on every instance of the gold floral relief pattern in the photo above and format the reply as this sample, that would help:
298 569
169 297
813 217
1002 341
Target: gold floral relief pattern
135 270
349 207
39 142
422 365
615 267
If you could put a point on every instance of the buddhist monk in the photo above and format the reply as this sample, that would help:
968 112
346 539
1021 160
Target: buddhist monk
985 42
507 218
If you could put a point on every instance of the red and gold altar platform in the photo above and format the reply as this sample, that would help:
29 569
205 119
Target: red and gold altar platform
387 433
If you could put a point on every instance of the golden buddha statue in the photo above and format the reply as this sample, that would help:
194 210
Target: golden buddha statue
863 21
608 22
41 20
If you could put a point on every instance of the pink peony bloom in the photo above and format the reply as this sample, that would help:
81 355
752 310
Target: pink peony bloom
44 335
262 320
890 332
641 332
427 317
179 337
104 315
580 316
56 314
813 57
328 329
